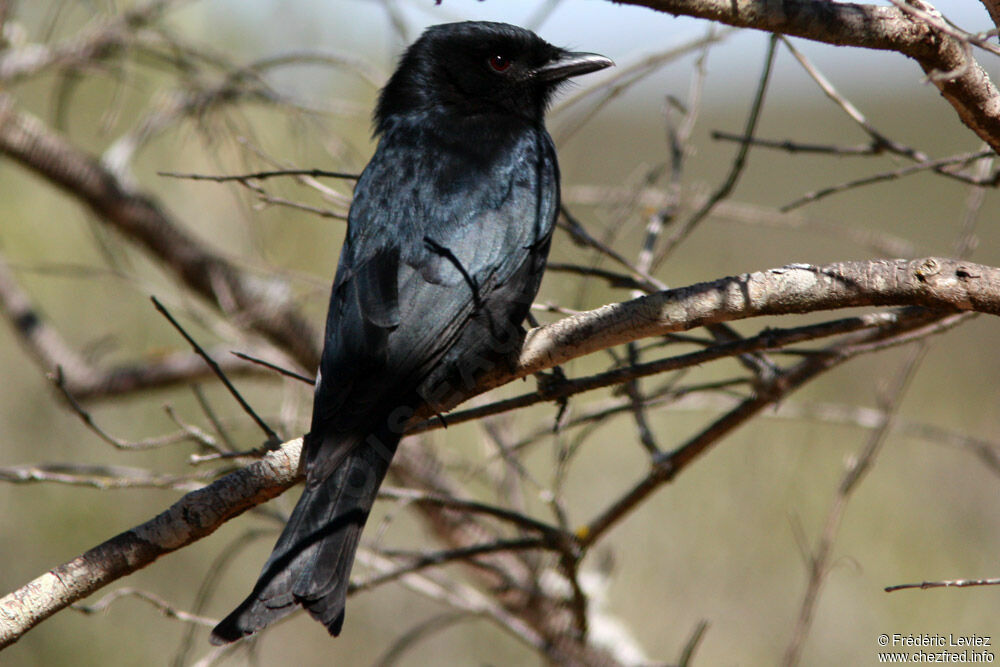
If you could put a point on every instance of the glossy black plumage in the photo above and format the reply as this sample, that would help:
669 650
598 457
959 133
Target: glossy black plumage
447 240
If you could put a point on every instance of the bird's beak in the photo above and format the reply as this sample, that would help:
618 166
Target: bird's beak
571 64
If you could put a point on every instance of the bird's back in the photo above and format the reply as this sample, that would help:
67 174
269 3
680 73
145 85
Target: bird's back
445 249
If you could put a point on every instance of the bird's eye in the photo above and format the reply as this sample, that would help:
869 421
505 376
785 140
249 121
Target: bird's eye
499 62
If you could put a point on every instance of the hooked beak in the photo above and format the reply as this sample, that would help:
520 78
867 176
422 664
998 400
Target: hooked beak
571 64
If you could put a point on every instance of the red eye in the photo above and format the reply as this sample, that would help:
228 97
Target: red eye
499 62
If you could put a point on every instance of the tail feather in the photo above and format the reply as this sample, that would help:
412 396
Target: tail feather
311 562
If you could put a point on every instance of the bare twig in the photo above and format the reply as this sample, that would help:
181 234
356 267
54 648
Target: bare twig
930 165
855 469
948 583
770 339
668 465
523 521
257 175
579 234
790 146
103 477
117 443
77 375
692 644
939 23
880 242
159 603
274 367
271 435
424 560
879 141
624 78
739 162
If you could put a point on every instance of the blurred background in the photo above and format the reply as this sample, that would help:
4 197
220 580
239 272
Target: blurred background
726 543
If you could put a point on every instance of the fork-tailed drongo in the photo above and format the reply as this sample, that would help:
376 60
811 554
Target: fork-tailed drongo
446 243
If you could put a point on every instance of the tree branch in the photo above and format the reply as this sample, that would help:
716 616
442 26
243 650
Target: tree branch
935 283
85 380
967 87
266 305
943 284
92 46
191 518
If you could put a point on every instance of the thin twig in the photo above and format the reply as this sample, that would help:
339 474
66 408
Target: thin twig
935 19
735 171
213 418
257 175
932 165
871 148
424 560
271 435
669 465
623 78
855 470
160 604
267 198
117 443
879 140
948 583
692 644
521 520
104 478
287 372
418 633
580 235
767 340
965 242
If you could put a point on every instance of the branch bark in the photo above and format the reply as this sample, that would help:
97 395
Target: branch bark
967 87
993 7
943 284
931 282
191 518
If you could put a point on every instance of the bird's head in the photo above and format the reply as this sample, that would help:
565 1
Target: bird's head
478 67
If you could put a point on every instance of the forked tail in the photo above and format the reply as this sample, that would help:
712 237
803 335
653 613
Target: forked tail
311 562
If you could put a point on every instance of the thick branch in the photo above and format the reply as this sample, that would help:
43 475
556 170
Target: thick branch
933 283
797 288
969 88
191 518
993 7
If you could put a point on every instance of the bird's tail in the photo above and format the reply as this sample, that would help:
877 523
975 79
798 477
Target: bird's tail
311 562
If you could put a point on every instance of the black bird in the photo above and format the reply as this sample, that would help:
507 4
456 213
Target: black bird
446 242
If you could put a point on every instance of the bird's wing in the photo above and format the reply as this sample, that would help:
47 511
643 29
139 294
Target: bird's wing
422 256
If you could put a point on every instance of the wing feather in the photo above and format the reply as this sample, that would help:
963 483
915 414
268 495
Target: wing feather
406 287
